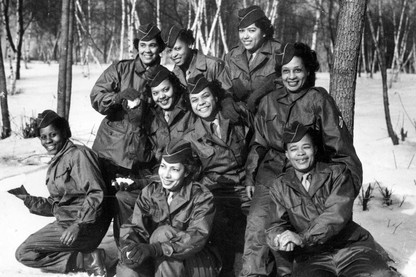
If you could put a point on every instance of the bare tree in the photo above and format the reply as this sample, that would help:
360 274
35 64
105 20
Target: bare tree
346 52
5 117
316 24
122 31
379 42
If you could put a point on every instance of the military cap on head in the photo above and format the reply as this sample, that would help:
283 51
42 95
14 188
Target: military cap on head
197 84
147 32
177 151
250 15
295 132
46 118
156 74
286 53
170 35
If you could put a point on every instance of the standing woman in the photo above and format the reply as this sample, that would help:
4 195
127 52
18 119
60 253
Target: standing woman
77 201
298 100
121 143
249 67
169 115
189 62
222 148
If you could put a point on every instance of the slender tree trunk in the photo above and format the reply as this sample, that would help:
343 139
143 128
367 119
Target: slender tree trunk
347 47
380 50
63 59
19 36
122 31
5 117
158 24
317 23
68 87
363 61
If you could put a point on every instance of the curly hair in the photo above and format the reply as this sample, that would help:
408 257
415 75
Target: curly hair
159 42
309 59
178 88
266 26
187 36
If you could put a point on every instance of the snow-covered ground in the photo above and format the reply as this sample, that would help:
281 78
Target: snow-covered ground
23 161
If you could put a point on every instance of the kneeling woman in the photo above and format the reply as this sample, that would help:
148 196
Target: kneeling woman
311 215
77 200
171 222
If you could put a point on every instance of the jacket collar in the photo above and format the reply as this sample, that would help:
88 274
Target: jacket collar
199 61
264 52
201 132
289 98
182 197
67 147
319 173
139 67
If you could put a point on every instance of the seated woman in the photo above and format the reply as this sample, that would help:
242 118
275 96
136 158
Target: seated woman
311 215
221 145
170 117
171 222
77 200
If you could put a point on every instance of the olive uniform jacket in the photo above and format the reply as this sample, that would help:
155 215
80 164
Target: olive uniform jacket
117 138
77 189
191 212
206 65
240 79
322 216
222 159
314 108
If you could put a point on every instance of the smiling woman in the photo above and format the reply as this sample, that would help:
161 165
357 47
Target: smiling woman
77 201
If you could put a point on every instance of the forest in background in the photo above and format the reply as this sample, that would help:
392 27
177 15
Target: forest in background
104 29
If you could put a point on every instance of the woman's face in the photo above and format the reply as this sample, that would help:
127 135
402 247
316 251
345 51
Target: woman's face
180 52
301 154
52 139
252 37
204 104
148 51
164 94
294 74
171 175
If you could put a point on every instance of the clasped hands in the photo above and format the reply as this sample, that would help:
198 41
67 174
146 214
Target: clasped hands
287 241
134 254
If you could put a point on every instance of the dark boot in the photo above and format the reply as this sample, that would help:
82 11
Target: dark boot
94 263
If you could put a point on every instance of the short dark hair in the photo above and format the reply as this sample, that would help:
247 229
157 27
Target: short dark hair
309 59
179 88
159 42
266 26
186 36
62 125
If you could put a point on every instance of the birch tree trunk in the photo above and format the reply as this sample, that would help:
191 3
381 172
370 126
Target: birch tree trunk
396 63
316 24
19 36
5 117
122 31
347 46
380 50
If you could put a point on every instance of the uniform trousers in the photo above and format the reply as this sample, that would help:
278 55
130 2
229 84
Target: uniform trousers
44 249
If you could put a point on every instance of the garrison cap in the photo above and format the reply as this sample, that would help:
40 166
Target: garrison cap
250 15
46 118
147 32
295 132
286 54
197 84
170 35
156 74
177 151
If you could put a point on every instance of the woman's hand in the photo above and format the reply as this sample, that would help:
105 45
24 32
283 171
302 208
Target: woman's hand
288 240
250 191
70 235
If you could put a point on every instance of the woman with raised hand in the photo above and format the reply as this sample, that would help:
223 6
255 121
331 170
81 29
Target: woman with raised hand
298 100
77 201
189 61
121 141
249 67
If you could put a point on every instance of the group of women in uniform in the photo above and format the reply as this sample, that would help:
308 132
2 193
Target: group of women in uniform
191 155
